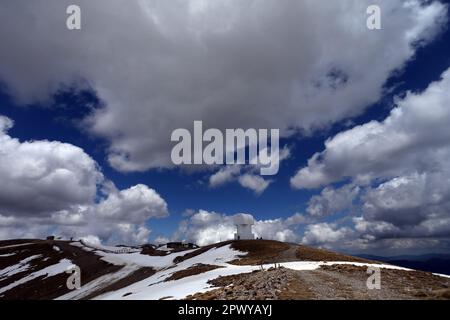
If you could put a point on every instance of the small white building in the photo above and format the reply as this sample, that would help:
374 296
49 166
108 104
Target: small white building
243 224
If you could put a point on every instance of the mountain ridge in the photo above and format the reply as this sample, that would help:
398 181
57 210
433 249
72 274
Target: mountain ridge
244 269
431 262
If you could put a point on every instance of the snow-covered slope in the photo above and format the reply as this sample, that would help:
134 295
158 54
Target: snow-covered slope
127 273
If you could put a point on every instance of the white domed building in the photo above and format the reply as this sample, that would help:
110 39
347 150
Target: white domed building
243 224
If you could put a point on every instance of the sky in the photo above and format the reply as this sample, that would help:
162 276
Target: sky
86 118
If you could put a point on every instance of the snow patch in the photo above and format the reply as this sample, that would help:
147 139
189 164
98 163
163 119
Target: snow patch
17 245
49 271
442 275
313 265
143 260
7 255
155 287
109 249
22 266
99 283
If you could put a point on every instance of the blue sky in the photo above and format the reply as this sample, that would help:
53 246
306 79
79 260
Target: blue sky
72 113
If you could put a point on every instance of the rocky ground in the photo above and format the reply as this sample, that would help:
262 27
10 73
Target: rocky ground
258 285
330 282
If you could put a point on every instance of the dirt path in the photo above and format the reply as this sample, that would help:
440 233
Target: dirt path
288 255
337 286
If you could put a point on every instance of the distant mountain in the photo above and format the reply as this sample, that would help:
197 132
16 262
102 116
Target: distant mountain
432 262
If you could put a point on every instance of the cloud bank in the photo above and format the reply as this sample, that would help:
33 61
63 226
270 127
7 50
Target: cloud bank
206 227
399 168
49 186
292 65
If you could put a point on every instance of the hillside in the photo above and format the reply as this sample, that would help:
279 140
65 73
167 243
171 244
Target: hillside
256 269
437 263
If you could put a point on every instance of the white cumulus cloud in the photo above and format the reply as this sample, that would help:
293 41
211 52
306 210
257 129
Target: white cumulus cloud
53 187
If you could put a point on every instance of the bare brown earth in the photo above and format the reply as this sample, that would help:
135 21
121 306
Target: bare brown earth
256 252
305 253
260 251
200 251
153 252
191 271
136 276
